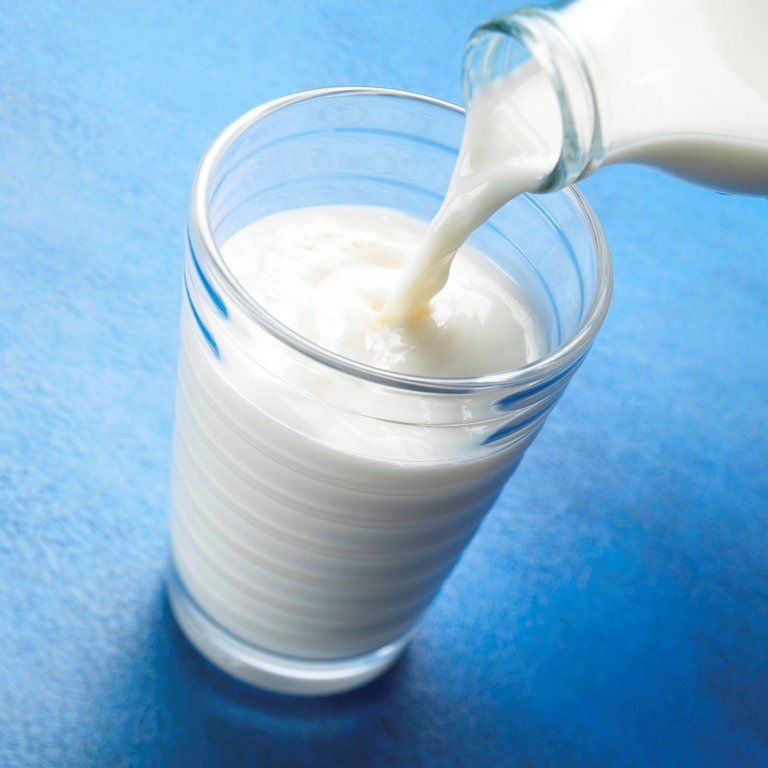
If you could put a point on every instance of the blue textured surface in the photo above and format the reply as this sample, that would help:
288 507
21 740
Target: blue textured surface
613 611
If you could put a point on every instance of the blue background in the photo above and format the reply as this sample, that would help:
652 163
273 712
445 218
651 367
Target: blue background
613 611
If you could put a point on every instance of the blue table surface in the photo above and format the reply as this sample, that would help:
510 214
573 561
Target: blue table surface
613 610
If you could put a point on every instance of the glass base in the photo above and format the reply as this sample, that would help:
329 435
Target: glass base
268 670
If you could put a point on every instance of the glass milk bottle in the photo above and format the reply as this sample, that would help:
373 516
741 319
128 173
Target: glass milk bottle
677 84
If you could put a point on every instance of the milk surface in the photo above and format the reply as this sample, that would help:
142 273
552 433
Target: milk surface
326 273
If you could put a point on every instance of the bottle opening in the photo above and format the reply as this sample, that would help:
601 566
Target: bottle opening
531 38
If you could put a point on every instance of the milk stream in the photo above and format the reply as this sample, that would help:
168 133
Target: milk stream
510 145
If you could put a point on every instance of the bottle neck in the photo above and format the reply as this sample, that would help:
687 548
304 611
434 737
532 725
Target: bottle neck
680 86
532 37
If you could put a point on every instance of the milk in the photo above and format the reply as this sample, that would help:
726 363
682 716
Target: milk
681 85
511 143
326 272
321 528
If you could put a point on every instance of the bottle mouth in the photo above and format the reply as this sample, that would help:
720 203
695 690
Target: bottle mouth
505 42
207 252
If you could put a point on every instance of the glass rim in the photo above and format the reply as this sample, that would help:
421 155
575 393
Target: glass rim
203 242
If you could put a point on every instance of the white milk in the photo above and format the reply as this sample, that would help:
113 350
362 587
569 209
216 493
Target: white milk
326 273
510 145
682 85
322 532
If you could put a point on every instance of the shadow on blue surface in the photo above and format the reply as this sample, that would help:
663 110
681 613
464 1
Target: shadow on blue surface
208 718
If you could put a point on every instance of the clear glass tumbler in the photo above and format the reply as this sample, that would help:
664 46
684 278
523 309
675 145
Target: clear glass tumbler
319 503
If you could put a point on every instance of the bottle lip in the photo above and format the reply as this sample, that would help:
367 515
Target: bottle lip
554 364
539 32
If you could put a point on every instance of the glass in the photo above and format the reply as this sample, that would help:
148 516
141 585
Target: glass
319 503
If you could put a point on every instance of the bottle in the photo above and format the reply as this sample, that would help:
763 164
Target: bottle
677 84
